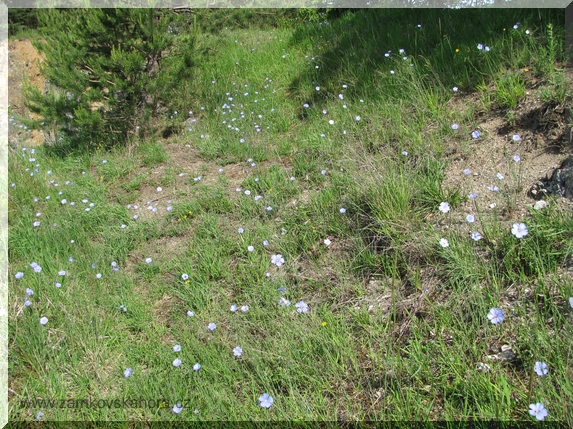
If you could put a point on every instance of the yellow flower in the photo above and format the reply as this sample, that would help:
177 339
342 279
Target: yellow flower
457 49
526 69
323 323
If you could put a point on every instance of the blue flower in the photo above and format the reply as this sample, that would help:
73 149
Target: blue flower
237 351
476 134
177 408
538 411
541 369
127 373
495 315
176 348
266 400
211 326
197 367
176 362
476 236
19 275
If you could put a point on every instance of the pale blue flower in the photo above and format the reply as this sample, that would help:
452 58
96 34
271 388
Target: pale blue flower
516 158
277 260
43 320
251 248
185 276
538 410
476 236
499 176
211 326
234 308
177 348
455 126
476 134
241 230
301 307
58 285
444 243
519 230
19 275
266 400
472 196
480 46
495 315
62 273
177 408
127 373
27 302
190 313
29 291
541 369
265 243
470 218
39 415
197 367
467 171
237 351
283 302
177 362
342 210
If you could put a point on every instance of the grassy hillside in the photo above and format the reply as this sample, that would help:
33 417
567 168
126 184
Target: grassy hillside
317 221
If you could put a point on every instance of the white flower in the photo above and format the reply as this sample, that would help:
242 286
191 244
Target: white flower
244 308
358 118
455 89
250 248
499 176
342 210
327 242
283 302
444 207
444 243
159 189
148 260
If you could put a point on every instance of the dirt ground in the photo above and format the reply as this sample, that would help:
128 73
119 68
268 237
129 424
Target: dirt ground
23 63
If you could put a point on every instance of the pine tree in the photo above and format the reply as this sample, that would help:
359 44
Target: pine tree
105 72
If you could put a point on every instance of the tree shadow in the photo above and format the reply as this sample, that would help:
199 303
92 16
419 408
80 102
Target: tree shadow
350 46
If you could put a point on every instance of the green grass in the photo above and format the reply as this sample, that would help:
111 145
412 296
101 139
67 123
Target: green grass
396 323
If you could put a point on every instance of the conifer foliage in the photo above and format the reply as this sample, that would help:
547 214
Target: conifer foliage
108 71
